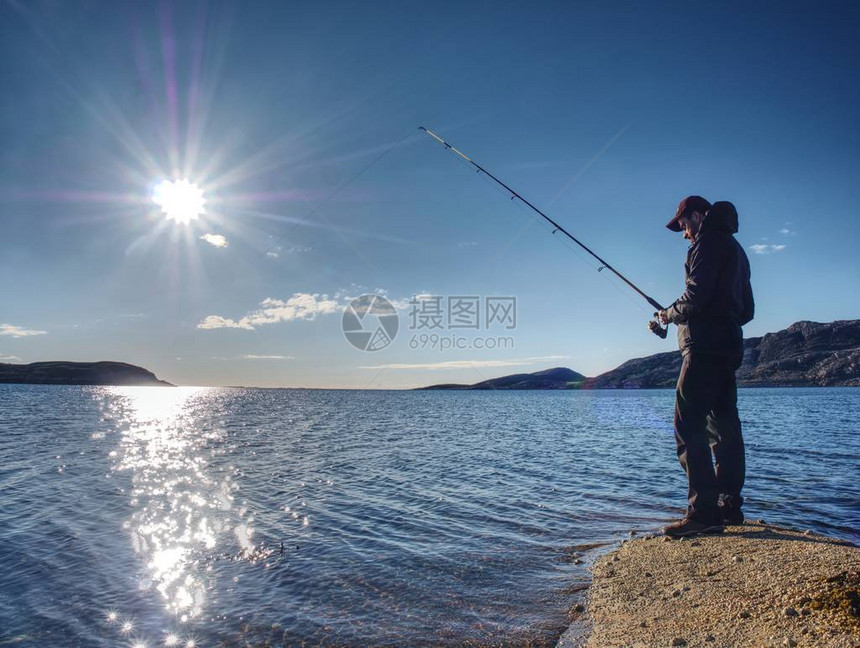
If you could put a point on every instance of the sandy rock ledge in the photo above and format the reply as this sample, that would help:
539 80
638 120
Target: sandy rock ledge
755 585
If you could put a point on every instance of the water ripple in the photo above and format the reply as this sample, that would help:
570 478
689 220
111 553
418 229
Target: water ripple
243 516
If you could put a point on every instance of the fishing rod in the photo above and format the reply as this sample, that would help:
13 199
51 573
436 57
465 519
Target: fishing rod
658 330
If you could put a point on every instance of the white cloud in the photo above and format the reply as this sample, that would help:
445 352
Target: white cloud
216 321
272 255
8 358
215 239
18 331
252 356
305 306
378 308
400 304
762 248
467 364
300 306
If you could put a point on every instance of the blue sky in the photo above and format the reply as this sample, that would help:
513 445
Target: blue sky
271 107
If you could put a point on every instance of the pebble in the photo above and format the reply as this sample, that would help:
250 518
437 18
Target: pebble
644 624
615 559
744 615
678 641
648 575
676 593
667 539
807 533
789 642
790 611
738 559
695 543
579 608
632 533
710 637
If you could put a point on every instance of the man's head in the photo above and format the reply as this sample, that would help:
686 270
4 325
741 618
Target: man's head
689 216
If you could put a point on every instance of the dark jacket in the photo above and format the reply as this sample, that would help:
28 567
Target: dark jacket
718 299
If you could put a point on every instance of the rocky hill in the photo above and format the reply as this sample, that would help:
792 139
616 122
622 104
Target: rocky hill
806 354
557 378
78 373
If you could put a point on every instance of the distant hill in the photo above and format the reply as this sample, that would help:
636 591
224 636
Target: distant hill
78 373
557 378
806 354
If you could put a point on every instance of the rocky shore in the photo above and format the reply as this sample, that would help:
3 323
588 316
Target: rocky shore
755 585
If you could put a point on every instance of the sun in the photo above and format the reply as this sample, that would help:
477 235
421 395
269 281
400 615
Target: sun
181 200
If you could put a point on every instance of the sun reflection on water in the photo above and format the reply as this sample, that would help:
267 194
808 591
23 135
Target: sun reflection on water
180 509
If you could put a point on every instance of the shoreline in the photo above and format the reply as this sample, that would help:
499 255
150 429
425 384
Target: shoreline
756 585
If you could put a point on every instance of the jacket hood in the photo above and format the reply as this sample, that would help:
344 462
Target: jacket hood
721 217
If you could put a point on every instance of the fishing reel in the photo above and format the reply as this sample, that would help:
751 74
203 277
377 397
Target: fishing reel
657 328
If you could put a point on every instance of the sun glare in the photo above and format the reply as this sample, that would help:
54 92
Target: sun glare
180 200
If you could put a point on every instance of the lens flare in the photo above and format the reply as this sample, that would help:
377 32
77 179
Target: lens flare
181 200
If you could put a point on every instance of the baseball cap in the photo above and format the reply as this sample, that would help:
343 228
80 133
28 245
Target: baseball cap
689 204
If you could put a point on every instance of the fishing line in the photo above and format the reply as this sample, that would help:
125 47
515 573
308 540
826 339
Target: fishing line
604 265
584 259
532 219
340 188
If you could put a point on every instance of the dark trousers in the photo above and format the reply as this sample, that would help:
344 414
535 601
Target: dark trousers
706 421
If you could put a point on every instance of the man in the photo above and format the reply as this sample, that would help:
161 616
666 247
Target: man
717 301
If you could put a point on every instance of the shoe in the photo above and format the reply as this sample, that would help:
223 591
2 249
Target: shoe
690 527
729 508
732 516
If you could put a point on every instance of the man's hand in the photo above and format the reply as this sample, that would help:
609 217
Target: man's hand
654 324
655 328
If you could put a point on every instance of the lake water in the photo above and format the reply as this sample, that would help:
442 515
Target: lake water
204 517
